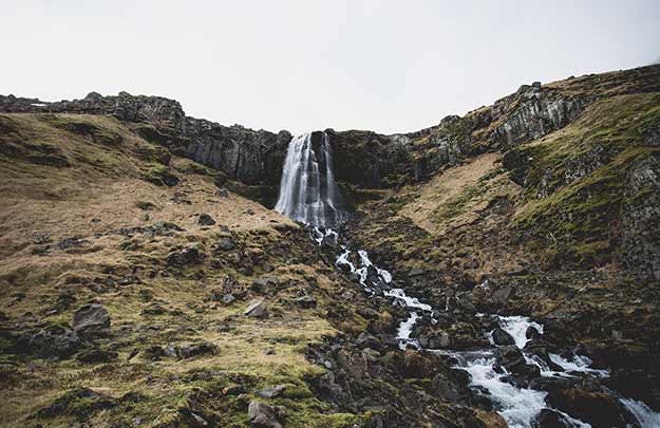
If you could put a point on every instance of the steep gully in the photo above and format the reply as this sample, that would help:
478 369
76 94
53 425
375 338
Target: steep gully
309 194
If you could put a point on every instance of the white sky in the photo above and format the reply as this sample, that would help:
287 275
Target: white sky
387 66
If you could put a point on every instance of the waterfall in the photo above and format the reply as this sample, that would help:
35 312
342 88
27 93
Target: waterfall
308 191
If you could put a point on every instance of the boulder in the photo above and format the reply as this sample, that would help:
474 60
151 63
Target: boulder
53 341
264 416
93 318
596 408
205 220
501 337
257 309
195 349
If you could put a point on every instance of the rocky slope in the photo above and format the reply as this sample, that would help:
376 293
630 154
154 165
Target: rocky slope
133 262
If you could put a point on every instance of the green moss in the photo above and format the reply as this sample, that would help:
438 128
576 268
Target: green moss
574 189
160 175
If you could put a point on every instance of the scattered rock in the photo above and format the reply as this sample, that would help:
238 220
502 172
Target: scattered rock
92 318
205 220
272 392
226 244
257 309
265 284
195 349
68 243
186 256
305 302
228 298
265 416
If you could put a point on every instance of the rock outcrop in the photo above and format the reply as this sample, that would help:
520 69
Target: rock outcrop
246 155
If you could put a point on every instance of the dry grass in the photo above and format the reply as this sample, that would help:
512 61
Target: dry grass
100 193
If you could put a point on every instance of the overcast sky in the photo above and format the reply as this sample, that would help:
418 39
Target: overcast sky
387 66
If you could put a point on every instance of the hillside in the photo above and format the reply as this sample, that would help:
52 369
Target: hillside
145 281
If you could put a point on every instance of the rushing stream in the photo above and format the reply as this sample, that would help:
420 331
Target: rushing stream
309 194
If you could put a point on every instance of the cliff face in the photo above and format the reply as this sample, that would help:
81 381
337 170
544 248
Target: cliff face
252 157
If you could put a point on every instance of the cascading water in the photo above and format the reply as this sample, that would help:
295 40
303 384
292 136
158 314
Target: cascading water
308 191
309 194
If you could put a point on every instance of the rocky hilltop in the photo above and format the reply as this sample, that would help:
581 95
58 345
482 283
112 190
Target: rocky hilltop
145 281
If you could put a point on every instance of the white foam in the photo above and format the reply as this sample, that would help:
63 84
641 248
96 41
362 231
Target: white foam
646 418
404 300
517 327
578 364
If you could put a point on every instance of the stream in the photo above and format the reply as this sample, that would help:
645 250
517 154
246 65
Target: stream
520 407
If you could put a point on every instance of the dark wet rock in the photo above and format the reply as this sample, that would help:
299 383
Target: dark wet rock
305 302
185 257
597 408
257 309
225 244
532 333
205 220
550 419
92 318
514 362
96 355
53 341
223 193
501 337
551 383
433 339
264 416
272 392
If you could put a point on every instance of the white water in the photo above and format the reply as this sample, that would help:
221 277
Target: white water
517 327
308 192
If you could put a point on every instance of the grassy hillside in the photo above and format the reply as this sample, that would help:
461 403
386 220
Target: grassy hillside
86 217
